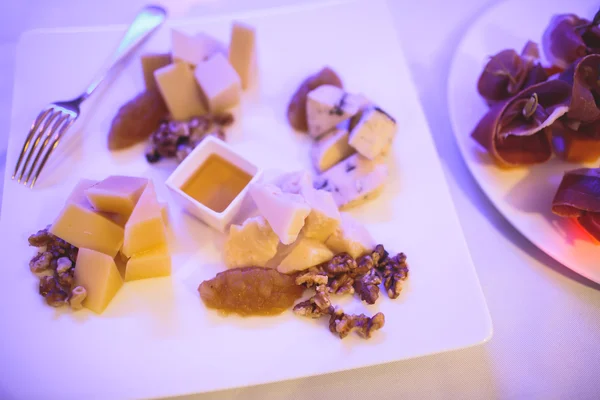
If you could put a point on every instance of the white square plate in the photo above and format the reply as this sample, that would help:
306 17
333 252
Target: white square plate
156 338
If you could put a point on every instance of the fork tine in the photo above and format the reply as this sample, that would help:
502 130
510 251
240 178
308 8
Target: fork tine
34 126
62 118
41 133
58 136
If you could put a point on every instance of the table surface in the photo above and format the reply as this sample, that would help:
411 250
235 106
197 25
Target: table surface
546 342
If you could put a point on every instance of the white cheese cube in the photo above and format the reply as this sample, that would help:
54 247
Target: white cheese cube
285 212
354 180
327 106
331 149
242 52
220 84
180 91
374 132
350 237
193 49
306 253
324 216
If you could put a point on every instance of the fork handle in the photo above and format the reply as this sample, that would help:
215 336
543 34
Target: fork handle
144 24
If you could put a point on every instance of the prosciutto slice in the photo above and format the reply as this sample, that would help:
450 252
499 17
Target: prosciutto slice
578 196
507 73
519 131
577 137
568 38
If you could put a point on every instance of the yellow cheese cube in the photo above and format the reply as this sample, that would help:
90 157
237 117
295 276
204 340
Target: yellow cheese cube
149 264
150 63
116 194
98 274
219 82
145 228
82 226
242 52
180 91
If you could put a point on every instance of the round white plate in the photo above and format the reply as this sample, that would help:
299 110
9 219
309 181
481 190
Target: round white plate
522 195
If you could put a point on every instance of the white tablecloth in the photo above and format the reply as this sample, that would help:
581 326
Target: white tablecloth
546 342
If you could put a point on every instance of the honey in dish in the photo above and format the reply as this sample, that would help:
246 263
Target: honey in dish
216 183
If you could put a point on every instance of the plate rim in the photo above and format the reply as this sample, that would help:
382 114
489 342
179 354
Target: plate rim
464 151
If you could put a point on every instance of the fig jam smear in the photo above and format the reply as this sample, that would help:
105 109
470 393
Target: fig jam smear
251 291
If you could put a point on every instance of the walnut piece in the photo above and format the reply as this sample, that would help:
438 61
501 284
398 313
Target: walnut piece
312 278
47 283
364 264
177 139
342 284
56 298
317 306
41 238
63 264
367 287
342 324
65 279
340 264
40 262
78 294
394 270
54 266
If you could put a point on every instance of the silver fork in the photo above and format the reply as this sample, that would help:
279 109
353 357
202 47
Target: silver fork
56 118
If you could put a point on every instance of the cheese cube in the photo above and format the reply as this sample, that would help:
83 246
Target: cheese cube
116 194
331 149
354 181
82 226
324 217
327 106
193 49
98 274
180 91
151 263
350 237
242 52
251 244
145 228
306 253
220 84
150 63
373 134
285 212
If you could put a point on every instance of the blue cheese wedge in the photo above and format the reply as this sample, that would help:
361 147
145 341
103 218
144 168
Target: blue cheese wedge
374 132
331 149
354 180
327 106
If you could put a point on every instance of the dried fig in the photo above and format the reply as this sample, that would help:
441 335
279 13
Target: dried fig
296 112
136 120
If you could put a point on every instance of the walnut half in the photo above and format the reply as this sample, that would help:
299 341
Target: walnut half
342 324
317 306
